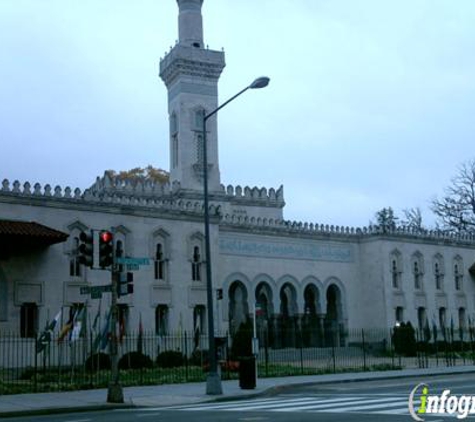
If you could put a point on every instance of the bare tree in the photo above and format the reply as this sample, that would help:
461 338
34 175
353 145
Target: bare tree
413 219
456 209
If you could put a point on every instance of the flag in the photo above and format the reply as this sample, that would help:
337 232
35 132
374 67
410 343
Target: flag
66 328
45 337
103 337
140 336
97 318
259 310
79 324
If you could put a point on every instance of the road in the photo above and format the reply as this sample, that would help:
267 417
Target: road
356 401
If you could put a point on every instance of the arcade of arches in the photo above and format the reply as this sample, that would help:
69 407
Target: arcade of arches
316 317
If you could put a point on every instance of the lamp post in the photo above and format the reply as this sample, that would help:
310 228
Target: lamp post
213 381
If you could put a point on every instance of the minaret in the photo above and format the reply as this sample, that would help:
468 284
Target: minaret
190 73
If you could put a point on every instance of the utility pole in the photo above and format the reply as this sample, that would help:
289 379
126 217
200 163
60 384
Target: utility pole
114 392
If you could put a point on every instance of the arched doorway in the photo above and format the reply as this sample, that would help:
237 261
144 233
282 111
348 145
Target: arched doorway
288 315
238 306
311 328
264 313
334 328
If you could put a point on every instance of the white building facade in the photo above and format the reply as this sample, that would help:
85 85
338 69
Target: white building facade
321 278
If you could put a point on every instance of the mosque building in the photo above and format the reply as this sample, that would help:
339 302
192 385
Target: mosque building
322 278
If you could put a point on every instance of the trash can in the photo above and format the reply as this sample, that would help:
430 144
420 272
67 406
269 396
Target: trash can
247 372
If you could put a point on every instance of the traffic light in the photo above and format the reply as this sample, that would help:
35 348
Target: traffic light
106 248
86 249
126 284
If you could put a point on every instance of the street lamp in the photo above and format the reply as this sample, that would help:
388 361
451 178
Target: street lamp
213 381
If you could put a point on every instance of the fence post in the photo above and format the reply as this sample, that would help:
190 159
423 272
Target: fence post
35 379
364 350
333 354
186 356
301 352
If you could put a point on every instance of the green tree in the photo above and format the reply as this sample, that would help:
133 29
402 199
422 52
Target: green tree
138 174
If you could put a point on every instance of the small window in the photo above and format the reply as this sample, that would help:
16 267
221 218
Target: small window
161 320
199 148
399 314
159 263
196 265
173 124
462 318
175 150
421 317
442 318
28 320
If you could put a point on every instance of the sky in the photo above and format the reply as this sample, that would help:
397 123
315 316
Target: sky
371 103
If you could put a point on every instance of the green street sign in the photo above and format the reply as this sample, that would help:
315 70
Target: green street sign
133 261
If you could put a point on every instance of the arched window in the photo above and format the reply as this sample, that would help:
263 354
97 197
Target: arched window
196 264
161 320
175 150
396 269
159 262
199 148
458 273
438 276
417 270
74 265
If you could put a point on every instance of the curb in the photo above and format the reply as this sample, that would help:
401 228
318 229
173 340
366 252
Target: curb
62 410
276 389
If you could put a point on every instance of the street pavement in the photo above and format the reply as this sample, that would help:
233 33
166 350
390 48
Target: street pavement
192 393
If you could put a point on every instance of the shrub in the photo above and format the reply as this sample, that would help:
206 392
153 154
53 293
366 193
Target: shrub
199 358
135 360
170 359
98 361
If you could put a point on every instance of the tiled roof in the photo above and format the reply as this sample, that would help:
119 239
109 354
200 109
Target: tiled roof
30 230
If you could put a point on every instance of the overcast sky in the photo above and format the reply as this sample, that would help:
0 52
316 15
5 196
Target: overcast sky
371 102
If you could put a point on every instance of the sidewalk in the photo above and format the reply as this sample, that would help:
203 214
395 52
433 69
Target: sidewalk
173 394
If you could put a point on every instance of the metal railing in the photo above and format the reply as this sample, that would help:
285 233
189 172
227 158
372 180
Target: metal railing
150 359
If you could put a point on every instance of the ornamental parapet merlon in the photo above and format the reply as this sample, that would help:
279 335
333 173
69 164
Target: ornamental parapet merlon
109 197
138 188
257 195
287 226
191 61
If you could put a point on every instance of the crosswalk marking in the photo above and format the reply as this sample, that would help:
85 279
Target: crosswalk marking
324 404
312 404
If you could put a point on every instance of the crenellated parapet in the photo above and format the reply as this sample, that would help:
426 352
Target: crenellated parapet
108 184
296 227
107 194
255 195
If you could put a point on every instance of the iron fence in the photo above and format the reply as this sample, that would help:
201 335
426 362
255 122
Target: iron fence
150 359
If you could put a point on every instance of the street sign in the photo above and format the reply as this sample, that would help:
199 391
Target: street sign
95 291
133 261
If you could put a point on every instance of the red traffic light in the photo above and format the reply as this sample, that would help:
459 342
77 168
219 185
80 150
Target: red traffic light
106 237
